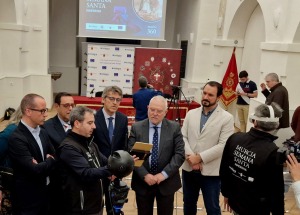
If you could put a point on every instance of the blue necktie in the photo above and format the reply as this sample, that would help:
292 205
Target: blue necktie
110 128
154 155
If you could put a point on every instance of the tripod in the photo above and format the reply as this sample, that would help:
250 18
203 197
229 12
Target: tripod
174 101
118 191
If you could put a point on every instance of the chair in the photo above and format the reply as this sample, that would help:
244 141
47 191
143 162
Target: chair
98 94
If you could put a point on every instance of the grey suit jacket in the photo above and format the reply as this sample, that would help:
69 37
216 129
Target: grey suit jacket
170 156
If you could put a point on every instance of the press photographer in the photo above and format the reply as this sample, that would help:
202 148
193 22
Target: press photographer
289 147
294 167
251 180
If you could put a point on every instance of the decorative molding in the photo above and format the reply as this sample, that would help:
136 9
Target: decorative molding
281 47
14 27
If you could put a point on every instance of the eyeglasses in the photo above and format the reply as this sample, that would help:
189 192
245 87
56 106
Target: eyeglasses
42 111
113 99
68 105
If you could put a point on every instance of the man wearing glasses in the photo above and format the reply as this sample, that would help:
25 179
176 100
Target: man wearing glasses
58 126
57 129
111 131
158 178
31 154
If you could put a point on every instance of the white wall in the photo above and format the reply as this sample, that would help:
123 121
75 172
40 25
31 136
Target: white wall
23 51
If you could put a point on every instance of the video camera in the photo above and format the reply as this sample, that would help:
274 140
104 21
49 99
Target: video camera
121 164
289 146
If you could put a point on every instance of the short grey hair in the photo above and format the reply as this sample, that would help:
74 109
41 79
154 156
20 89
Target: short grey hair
162 99
263 111
78 113
273 77
114 89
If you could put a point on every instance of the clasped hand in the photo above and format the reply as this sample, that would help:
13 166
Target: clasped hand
154 179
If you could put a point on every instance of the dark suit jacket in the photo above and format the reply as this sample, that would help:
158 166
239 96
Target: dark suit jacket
101 138
30 179
55 130
170 156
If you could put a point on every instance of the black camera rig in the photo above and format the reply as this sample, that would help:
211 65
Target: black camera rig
289 146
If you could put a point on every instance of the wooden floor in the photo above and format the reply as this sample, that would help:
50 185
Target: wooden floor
130 207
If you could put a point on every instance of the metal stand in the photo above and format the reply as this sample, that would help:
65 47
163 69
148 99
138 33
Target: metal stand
174 102
118 191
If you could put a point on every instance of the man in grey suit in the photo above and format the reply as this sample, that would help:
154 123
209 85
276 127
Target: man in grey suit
158 177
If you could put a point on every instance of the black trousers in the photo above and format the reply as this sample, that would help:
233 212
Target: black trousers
145 203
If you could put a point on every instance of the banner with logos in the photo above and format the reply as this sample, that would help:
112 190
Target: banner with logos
109 65
160 66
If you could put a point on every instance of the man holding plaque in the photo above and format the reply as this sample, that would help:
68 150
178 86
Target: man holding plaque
158 178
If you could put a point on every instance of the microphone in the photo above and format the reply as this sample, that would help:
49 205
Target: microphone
92 92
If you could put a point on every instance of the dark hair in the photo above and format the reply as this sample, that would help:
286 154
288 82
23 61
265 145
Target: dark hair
57 99
28 101
143 82
217 85
77 113
243 74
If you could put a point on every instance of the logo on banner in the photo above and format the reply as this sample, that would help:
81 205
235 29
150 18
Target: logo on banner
116 74
157 76
127 81
103 67
91 85
128 55
92 60
117 48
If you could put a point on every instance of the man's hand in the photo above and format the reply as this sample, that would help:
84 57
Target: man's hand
159 178
193 159
263 86
150 179
294 167
135 158
226 205
112 178
49 156
34 161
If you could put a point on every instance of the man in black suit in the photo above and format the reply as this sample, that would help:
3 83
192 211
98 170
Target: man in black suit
158 177
111 131
57 126
31 154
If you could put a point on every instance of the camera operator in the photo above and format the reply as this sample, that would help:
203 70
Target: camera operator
82 166
294 167
251 179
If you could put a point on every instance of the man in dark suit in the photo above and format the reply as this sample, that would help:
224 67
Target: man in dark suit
57 126
158 177
31 154
142 97
111 131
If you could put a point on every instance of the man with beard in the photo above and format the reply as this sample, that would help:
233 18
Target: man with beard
205 131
